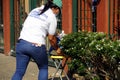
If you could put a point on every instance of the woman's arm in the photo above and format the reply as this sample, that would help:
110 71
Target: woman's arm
53 41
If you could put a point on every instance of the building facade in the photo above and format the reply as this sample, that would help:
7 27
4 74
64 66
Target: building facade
11 19
77 15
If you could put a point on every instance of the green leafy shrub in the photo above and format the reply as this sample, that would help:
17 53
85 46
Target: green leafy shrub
93 55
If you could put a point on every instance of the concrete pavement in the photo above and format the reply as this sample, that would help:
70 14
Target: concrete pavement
7 68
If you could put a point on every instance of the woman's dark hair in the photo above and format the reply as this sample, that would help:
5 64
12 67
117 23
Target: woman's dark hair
48 5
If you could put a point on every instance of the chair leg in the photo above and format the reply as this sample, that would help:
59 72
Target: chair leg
58 68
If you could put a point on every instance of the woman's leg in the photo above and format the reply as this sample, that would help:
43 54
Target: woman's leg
21 65
41 59
22 61
39 54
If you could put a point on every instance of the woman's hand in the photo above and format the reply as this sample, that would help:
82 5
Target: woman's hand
53 41
58 51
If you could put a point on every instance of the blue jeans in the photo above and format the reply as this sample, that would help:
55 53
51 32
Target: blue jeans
24 52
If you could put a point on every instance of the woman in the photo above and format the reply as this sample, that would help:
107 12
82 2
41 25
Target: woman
41 22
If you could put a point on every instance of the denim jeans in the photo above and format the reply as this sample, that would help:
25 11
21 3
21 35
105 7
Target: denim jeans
24 52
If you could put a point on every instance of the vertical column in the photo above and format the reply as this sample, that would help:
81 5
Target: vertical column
67 20
116 18
102 16
111 17
75 16
79 14
33 4
27 6
6 23
67 16
12 24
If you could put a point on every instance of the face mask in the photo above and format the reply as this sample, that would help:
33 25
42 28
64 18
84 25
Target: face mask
57 15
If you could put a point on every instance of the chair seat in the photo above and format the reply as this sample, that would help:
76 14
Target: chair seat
56 57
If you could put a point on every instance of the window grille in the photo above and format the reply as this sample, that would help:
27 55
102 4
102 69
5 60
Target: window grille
86 15
116 18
